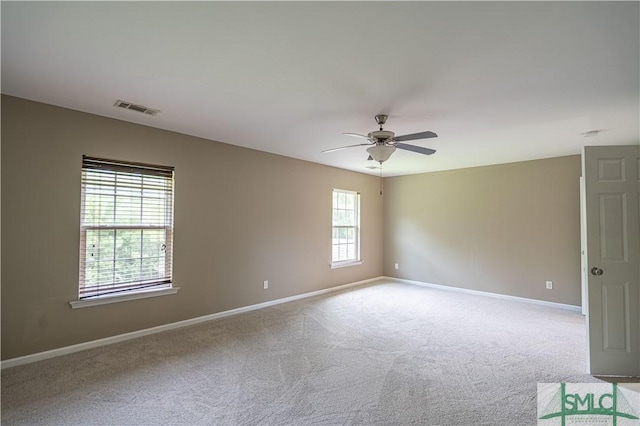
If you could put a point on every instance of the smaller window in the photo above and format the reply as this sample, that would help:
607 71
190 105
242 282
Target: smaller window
345 242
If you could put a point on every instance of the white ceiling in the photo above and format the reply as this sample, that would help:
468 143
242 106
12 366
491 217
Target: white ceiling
498 82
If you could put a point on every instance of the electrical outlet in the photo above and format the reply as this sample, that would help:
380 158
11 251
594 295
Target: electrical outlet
549 285
396 266
265 284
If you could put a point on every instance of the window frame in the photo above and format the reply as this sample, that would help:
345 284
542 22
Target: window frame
159 181
357 259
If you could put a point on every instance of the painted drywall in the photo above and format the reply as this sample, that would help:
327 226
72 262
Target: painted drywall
241 217
503 229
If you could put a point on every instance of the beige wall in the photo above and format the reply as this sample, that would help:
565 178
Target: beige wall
503 229
241 216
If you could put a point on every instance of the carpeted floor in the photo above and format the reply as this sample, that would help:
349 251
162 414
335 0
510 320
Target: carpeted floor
383 354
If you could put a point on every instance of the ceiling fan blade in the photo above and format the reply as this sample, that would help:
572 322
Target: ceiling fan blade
345 147
357 135
413 148
413 136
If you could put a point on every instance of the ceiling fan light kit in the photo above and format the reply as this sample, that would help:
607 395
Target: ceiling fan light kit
381 153
384 142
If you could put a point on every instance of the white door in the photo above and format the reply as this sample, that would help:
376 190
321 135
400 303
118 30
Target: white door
612 187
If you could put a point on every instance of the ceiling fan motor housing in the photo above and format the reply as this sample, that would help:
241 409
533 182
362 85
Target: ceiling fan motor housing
381 135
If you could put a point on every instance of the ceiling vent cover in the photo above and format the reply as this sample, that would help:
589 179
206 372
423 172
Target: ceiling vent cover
140 108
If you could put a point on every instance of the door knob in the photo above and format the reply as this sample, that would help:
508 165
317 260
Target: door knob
596 271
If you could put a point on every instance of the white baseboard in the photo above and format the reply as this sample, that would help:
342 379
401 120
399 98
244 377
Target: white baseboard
487 294
13 362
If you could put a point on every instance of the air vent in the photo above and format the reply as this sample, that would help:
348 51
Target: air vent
140 108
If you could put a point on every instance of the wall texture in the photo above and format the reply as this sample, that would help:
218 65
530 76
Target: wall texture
241 216
503 229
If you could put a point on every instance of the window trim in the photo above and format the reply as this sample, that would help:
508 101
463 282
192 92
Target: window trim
358 259
115 298
138 290
346 263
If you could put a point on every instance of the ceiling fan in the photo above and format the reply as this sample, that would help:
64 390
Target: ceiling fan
383 143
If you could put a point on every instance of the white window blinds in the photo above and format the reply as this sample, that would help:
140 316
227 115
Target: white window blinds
126 229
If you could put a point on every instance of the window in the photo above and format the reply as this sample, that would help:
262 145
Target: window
126 229
345 243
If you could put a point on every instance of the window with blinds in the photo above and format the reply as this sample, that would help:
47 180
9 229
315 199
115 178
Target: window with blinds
346 227
126 229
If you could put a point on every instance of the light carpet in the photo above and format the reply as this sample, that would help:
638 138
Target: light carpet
382 354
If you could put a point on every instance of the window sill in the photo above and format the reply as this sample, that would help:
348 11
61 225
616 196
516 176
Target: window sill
337 265
104 300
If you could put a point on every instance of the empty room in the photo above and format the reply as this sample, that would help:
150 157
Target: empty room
320 213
